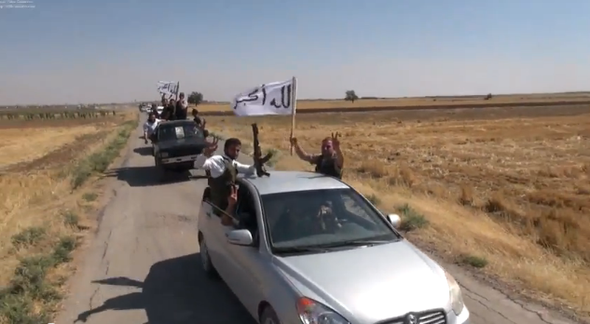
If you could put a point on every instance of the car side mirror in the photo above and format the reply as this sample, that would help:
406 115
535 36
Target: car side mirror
241 237
394 219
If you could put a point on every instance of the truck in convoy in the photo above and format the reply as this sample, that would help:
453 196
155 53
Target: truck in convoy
176 145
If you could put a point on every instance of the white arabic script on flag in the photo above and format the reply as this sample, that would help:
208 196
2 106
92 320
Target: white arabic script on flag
275 98
168 87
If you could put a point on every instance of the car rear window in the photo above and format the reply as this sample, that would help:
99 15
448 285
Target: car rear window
173 132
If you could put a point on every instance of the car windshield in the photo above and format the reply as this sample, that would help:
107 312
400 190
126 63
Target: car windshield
316 218
174 132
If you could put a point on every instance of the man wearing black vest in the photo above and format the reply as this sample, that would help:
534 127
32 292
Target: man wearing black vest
169 112
330 162
222 171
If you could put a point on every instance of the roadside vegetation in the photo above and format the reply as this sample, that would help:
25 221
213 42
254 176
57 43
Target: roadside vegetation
48 195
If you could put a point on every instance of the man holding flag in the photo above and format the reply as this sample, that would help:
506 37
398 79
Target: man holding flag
329 162
280 98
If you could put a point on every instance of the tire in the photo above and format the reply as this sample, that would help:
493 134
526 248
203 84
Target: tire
269 316
206 263
161 172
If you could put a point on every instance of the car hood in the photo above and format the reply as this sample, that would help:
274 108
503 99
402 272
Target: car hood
182 143
370 284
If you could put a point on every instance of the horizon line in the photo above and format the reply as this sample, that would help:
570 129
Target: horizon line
325 99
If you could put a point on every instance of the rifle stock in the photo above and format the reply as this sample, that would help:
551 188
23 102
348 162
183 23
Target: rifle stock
259 161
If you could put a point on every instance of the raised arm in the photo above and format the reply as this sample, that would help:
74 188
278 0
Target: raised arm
339 156
207 161
300 152
201 162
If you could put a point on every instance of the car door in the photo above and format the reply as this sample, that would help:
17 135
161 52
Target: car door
245 263
216 240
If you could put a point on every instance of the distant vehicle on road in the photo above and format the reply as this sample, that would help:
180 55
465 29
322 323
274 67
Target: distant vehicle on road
307 248
176 144
144 107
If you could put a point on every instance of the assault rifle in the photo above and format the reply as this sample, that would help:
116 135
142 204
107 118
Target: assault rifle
259 161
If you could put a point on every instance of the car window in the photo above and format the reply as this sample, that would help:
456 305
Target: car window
173 132
353 207
245 211
320 217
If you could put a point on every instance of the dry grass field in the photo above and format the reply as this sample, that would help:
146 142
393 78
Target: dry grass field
421 102
42 217
503 190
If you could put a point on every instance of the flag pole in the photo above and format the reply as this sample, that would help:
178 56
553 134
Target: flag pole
177 89
293 112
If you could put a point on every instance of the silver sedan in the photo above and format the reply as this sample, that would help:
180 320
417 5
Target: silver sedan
306 248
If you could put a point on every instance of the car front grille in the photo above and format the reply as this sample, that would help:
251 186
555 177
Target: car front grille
428 317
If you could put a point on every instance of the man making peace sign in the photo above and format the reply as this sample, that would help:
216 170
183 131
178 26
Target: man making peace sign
222 170
330 162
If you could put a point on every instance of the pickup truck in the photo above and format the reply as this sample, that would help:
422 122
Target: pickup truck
176 145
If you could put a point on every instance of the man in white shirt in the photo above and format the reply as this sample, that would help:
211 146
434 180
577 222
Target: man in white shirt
222 170
181 107
149 126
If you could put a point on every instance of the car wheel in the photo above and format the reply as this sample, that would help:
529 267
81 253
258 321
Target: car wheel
162 174
161 171
206 260
269 316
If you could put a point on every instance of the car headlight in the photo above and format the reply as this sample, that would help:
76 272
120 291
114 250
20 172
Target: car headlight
313 312
164 154
456 296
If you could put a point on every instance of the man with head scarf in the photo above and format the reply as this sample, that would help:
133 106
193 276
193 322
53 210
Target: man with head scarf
330 162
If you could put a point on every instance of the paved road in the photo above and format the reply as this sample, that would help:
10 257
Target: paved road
143 265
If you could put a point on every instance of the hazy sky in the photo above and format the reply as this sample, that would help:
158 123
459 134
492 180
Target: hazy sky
79 51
